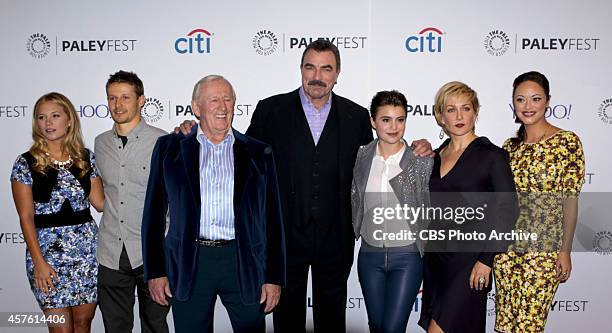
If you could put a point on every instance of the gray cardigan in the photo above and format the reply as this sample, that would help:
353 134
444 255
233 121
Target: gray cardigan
410 186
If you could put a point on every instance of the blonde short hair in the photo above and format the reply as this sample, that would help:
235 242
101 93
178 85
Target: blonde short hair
453 88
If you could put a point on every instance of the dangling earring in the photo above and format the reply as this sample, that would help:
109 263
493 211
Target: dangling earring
442 133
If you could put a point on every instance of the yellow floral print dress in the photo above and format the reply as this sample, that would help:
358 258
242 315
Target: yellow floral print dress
544 172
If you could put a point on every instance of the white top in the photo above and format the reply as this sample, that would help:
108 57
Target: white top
383 170
379 194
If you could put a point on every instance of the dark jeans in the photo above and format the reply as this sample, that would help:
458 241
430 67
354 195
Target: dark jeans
390 279
217 274
116 299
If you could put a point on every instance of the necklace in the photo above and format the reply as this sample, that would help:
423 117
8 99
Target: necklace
61 165
543 135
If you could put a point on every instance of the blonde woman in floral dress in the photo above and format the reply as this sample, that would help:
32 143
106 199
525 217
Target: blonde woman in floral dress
548 167
54 184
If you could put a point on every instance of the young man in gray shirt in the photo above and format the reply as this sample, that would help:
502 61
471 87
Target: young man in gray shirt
124 156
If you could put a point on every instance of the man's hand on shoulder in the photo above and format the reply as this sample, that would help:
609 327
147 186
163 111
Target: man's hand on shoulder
422 148
270 294
159 289
185 127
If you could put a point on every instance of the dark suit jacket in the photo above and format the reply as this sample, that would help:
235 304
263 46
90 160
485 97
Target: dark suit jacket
275 122
174 185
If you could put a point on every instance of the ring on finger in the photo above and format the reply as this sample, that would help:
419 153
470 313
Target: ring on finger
481 280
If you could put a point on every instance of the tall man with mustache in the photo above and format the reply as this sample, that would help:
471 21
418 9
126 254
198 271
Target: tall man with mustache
315 135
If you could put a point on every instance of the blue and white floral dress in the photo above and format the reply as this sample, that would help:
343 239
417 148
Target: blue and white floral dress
70 249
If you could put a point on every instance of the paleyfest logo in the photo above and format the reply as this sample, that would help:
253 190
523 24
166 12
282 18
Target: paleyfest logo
602 243
497 43
38 45
265 42
152 110
605 111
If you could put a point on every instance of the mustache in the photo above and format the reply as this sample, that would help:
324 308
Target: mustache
317 83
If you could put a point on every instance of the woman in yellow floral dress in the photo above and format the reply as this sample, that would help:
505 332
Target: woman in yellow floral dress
548 167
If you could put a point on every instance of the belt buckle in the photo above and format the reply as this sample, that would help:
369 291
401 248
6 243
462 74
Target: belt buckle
213 243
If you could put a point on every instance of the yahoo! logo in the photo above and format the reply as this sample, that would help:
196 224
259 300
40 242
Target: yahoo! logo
559 111
428 40
197 41
93 111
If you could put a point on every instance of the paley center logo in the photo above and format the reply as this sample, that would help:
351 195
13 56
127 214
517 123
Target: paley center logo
197 41
428 40
38 45
265 42
602 242
497 42
605 111
152 110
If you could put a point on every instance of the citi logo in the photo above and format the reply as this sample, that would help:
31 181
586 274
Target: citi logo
197 41
428 40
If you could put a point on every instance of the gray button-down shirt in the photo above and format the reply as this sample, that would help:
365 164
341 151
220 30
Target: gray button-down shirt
125 173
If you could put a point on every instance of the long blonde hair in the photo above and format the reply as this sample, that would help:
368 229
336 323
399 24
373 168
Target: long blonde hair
73 141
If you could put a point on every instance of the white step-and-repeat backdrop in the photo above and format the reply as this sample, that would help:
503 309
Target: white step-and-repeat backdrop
414 47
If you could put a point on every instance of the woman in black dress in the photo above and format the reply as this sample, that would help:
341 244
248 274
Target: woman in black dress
457 278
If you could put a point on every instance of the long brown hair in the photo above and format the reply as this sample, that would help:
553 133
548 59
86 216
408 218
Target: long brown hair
535 77
73 142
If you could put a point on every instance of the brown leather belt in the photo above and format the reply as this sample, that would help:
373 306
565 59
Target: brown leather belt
215 243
